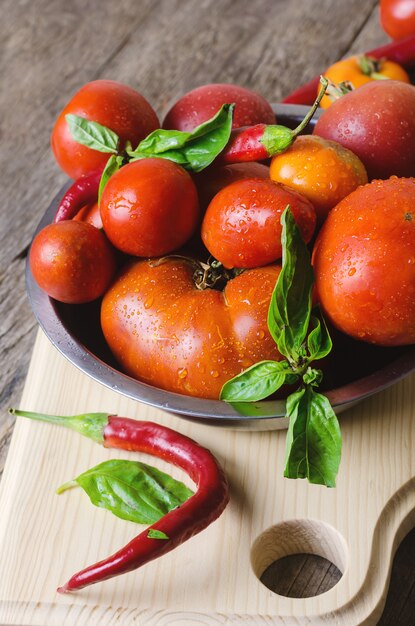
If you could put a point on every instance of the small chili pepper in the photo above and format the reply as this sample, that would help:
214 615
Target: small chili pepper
83 191
262 141
402 52
178 525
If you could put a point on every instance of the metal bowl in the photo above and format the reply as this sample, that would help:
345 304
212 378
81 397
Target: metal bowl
75 332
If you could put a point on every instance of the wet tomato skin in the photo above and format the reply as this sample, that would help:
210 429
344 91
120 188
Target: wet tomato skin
72 261
364 263
211 180
242 224
397 18
200 104
150 207
112 104
165 332
321 170
377 123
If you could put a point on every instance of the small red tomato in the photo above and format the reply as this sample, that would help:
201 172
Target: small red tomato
242 226
90 213
364 263
112 104
397 18
149 207
200 104
211 180
72 261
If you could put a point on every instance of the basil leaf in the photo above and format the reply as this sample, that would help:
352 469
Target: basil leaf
319 342
114 163
92 134
131 490
193 150
162 140
313 447
153 533
290 306
257 382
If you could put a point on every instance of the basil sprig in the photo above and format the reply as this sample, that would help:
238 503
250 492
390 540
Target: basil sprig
193 150
313 448
131 490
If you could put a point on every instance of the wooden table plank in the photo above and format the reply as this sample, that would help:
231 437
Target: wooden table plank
163 49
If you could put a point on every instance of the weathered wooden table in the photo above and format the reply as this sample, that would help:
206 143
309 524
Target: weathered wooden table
162 48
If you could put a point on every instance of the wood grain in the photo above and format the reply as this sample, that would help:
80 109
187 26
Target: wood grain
162 48
216 575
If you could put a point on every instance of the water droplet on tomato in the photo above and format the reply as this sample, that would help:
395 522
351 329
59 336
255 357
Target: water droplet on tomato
352 271
214 373
182 372
148 302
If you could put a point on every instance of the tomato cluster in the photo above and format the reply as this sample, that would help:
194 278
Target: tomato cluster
176 318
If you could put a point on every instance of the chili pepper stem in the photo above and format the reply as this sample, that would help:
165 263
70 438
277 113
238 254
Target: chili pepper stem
323 87
88 424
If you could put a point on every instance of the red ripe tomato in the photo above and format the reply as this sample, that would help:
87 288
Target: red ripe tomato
364 262
90 213
111 104
211 180
397 18
200 104
149 207
242 226
165 332
72 261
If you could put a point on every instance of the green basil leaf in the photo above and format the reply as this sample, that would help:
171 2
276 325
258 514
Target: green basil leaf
114 163
319 342
153 533
312 377
257 382
162 140
131 490
313 447
92 134
290 306
195 150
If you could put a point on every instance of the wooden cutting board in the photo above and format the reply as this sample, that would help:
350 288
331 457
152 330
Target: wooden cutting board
213 578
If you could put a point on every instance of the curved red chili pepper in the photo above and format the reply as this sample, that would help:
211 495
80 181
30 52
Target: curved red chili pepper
402 52
83 191
180 524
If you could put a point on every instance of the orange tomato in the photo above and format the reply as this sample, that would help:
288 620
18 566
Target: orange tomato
361 69
321 170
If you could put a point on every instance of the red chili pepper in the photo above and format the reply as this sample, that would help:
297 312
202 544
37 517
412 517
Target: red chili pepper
83 191
402 52
180 524
262 141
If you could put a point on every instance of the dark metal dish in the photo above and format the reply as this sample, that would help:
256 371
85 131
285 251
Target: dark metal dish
355 371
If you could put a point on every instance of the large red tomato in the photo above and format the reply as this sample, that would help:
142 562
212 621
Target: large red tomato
165 332
112 104
364 262
397 17
149 207
242 224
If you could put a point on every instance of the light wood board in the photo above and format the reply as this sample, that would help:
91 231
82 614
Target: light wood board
213 578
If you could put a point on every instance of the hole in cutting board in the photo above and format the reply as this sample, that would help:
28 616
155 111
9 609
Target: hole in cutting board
301 576
281 548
